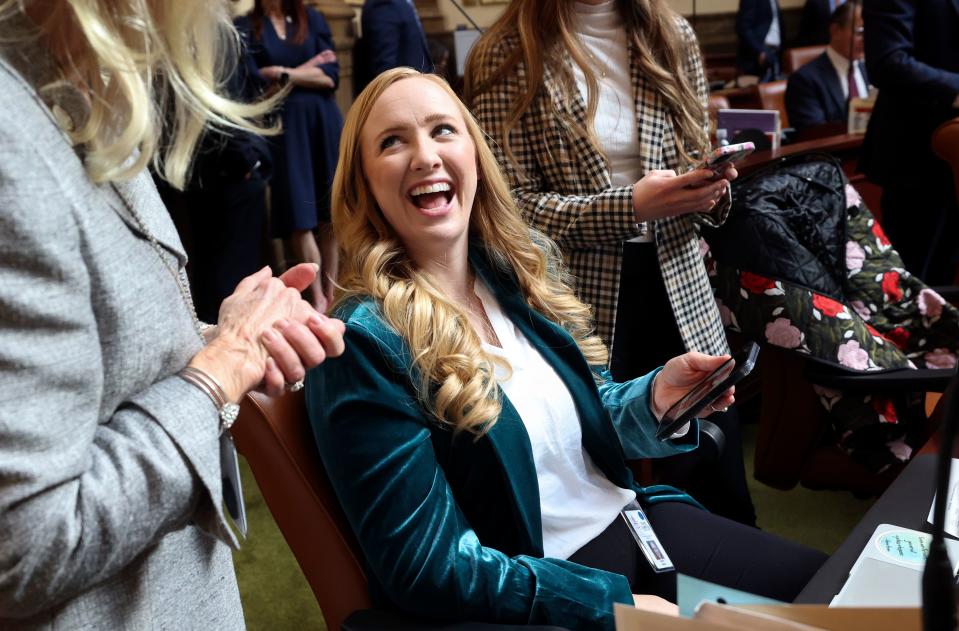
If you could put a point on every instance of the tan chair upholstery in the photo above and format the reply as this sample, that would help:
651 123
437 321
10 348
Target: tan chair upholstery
945 144
274 436
717 102
796 58
772 96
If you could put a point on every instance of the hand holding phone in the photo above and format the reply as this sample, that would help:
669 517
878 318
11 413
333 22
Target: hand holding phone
720 158
701 395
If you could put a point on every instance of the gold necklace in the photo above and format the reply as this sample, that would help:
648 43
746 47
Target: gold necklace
601 68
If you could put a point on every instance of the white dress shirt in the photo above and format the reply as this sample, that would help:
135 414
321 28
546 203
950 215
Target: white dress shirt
773 36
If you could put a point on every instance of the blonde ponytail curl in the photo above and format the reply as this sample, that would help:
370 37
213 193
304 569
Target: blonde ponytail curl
454 376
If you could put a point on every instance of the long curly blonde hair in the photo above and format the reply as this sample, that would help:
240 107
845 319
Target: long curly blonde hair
454 375
150 69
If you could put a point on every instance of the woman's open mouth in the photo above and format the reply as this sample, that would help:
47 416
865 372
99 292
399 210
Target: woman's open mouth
433 198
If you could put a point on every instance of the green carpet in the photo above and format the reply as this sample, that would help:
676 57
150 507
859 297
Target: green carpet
276 596
818 519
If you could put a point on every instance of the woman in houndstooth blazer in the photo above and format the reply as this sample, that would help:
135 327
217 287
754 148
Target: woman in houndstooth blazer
593 108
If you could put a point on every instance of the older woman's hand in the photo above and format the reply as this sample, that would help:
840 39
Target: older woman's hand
268 334
299 346
682 373
662 193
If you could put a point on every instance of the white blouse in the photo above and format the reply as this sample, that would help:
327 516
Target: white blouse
603 36
576 500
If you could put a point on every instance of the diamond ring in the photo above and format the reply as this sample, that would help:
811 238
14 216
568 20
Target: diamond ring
296 386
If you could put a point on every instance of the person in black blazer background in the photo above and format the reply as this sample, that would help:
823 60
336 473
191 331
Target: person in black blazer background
760 33
392 36
912 53
818 92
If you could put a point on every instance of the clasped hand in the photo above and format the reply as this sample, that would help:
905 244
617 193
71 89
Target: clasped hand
267 335
662 193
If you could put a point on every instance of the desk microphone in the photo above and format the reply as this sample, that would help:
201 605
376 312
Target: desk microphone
938 581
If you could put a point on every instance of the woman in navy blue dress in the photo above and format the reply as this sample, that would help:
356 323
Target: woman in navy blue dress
288 41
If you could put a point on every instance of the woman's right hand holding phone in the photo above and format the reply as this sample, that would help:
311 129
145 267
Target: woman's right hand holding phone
682 373
662 193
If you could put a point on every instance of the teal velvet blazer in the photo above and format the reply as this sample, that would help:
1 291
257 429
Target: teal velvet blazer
450 524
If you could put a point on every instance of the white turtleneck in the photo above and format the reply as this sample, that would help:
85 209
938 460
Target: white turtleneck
603 36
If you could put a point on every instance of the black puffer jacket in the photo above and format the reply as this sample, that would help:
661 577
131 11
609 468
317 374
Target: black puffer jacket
788 222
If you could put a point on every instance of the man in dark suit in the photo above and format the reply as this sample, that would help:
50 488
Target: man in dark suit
818 93
814 22
392 37
912 52
760 33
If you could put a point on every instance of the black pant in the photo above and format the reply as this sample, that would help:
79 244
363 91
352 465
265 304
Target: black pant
646 336
922 221
704 546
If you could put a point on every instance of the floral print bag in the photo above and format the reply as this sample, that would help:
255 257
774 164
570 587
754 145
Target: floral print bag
883 319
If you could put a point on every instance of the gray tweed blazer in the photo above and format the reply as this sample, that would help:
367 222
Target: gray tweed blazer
561 183
110 492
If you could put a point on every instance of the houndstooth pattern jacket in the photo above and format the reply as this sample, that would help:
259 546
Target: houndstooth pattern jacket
562 186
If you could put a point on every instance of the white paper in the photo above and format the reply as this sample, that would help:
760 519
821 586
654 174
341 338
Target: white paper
952 505
888 572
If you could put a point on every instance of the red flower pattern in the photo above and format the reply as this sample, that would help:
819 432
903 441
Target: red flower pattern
886 409
754 283
880 234
898 336
890 286
828 306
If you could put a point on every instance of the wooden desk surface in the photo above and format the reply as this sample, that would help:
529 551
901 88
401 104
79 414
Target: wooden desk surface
840 144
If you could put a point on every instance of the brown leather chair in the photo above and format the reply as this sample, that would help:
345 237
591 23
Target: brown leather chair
945 144
274 436
772 96
796 58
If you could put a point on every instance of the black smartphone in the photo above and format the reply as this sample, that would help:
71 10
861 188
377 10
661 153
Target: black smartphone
708 390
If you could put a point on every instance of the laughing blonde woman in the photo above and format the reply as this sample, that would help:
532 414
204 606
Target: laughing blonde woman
473 442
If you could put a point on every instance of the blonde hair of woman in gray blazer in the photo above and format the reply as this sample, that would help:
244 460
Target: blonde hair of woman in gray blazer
597 108
113 396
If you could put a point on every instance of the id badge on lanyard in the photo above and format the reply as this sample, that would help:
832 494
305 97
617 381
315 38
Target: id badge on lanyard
646 538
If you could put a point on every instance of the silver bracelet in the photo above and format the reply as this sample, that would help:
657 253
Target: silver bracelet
228 410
